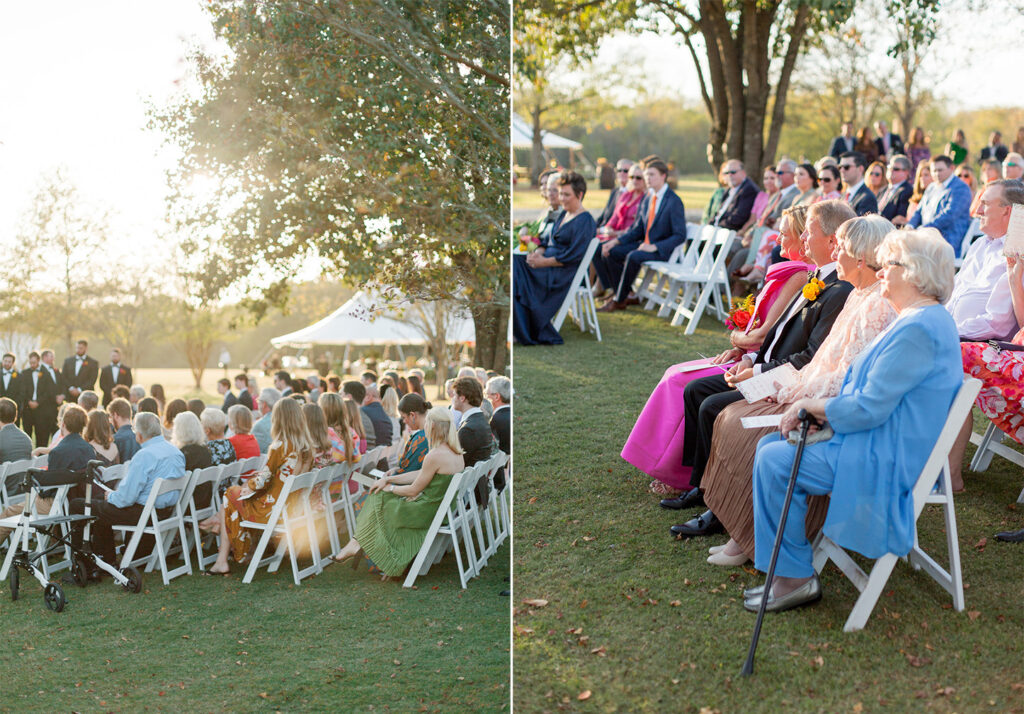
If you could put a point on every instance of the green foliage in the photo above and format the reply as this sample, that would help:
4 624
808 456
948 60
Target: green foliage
370 137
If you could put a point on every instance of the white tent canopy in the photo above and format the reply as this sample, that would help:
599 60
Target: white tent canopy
522 137
361 321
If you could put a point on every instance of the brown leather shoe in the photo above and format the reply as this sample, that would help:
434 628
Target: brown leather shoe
631 301
611 306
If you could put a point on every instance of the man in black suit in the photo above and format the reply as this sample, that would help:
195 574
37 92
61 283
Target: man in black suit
794 339
224 388
474 432
9 385
852 166
896 199
659 226
735 209
113 374
621 179
283 382
79 372
887 143
245 397
844 142
996 149
39 397
499 393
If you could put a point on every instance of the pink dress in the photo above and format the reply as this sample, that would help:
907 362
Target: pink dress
655 446
1002 397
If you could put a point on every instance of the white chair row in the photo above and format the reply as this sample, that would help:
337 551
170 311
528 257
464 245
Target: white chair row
11 473
579 301
991 443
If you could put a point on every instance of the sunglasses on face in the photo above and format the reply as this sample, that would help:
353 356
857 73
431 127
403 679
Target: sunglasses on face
783 172
875 174
829 179
637 178
622 171
1010 163
844 167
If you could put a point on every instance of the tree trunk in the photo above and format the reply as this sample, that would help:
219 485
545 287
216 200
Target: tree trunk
440 349
491 325
537 150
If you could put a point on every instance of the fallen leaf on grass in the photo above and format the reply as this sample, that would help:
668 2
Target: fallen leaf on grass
599 651
818 662
915 661
675 603
536 602
945 691
584 696
532 500
709 710
973 615
858 707
1017 686
264 695
589 538
524 630
574 631
980 545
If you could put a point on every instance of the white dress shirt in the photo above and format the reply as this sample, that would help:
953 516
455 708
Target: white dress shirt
980 303
78 363
795 307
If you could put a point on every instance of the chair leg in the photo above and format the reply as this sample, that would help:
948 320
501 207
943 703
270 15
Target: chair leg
869 595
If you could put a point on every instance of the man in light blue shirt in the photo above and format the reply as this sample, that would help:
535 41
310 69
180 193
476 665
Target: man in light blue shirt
155 459
261 429
946 204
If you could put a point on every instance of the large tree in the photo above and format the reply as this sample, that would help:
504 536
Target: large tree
369 136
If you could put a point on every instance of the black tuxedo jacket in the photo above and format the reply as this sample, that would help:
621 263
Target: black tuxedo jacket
864 202
896 203
475 438
738 212
13 389
46 394
86 377
107 382
246 399
802 334
895 143
501 427
840 145
1001 152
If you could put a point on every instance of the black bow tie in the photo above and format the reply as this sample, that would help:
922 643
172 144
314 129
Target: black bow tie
80 359
7 371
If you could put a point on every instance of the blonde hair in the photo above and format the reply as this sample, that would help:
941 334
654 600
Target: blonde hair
797 216
390 402
926 257
240 419
831 214
317 425
440 429
860 237
187 430
288 428
354 417
336 416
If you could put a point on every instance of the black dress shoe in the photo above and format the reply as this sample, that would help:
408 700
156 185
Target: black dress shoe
706 523
1011 536
691 499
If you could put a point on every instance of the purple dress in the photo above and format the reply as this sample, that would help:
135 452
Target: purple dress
655 446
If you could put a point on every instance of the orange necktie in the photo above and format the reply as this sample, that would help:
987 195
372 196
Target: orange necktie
650 218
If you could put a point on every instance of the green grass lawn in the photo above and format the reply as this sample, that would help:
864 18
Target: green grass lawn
341 641
644 624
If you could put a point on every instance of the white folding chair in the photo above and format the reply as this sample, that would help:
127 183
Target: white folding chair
990 443
580 298
114 473
163 530
359 473
196 513
11 482
287 522
22 533
932 486
495 529
684 254
712 285
320 509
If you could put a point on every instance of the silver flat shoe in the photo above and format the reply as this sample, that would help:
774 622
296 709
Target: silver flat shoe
753 592
806 594
715 549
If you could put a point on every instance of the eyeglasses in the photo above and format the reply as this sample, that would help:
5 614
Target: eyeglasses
963 176
1010 163
897 168
828 179
875 174
730 173
637 178
622 171
844 167
783 172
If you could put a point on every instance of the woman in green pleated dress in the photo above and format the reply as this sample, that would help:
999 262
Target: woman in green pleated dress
396 515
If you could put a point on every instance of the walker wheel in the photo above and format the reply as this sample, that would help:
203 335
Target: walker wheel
53 596
14 580
78 572
134 584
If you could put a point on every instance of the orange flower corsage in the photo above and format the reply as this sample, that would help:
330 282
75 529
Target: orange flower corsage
813 289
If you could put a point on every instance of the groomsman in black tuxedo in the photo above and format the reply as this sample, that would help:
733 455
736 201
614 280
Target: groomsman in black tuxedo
79 372
793 339
39 396
9 380
113 374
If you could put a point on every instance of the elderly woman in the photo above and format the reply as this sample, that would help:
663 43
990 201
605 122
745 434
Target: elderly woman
542 279
214 423
726 481
394 520
886 419
187 434
655 445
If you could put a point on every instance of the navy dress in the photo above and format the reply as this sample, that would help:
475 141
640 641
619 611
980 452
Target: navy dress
537 293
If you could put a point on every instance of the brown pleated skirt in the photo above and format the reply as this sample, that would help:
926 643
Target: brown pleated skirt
728 477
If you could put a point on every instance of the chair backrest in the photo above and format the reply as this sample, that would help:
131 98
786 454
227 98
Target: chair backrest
581 278
12 486
696 245
211 475
231 470
111 473
181 484
40 462
705 258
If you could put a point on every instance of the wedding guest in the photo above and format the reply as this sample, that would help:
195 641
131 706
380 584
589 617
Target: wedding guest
356 392
101 438
866 146
844 142
1018 143
851 167
895 201
922 180
79 371
316 424
875 179
966 174
382 435
157 392
414 414
1013 166
15 445
627 203
957 149
174 408
887 144
946 204
120 412
726 482
542 278
995 149
991 171
918 151
196 406
474 432
269 397
342 434
622 185
291 453
242 440
188 436
885 422
394 519
806 178
89 400
148 404
828 178
389 402
214 423
224 389
355 418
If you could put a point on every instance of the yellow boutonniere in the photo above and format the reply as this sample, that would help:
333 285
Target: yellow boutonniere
813 289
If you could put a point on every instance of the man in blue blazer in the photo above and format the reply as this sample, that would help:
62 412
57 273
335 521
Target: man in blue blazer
946 204
852 165
896 199
659 226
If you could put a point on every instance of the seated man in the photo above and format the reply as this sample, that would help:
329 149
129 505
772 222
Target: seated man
475 435
980 303
72 453
15 444
946 204
659 227
896 199
852 166
156 458
120 412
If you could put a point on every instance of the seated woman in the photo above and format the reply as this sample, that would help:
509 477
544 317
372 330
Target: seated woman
394 520
187 434
317 426
242 440
291 453
726 481
214 423
414 410
828 177
1001 398
343 437
886 418
542 279
101 438
876 180
356 420
626 205
655 446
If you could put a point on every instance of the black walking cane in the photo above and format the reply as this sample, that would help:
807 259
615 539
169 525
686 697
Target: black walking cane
805 423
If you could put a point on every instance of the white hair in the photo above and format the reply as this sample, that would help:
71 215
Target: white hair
862 236
502 386
147 425
270 396
927 258
137 391
187 430
214 419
